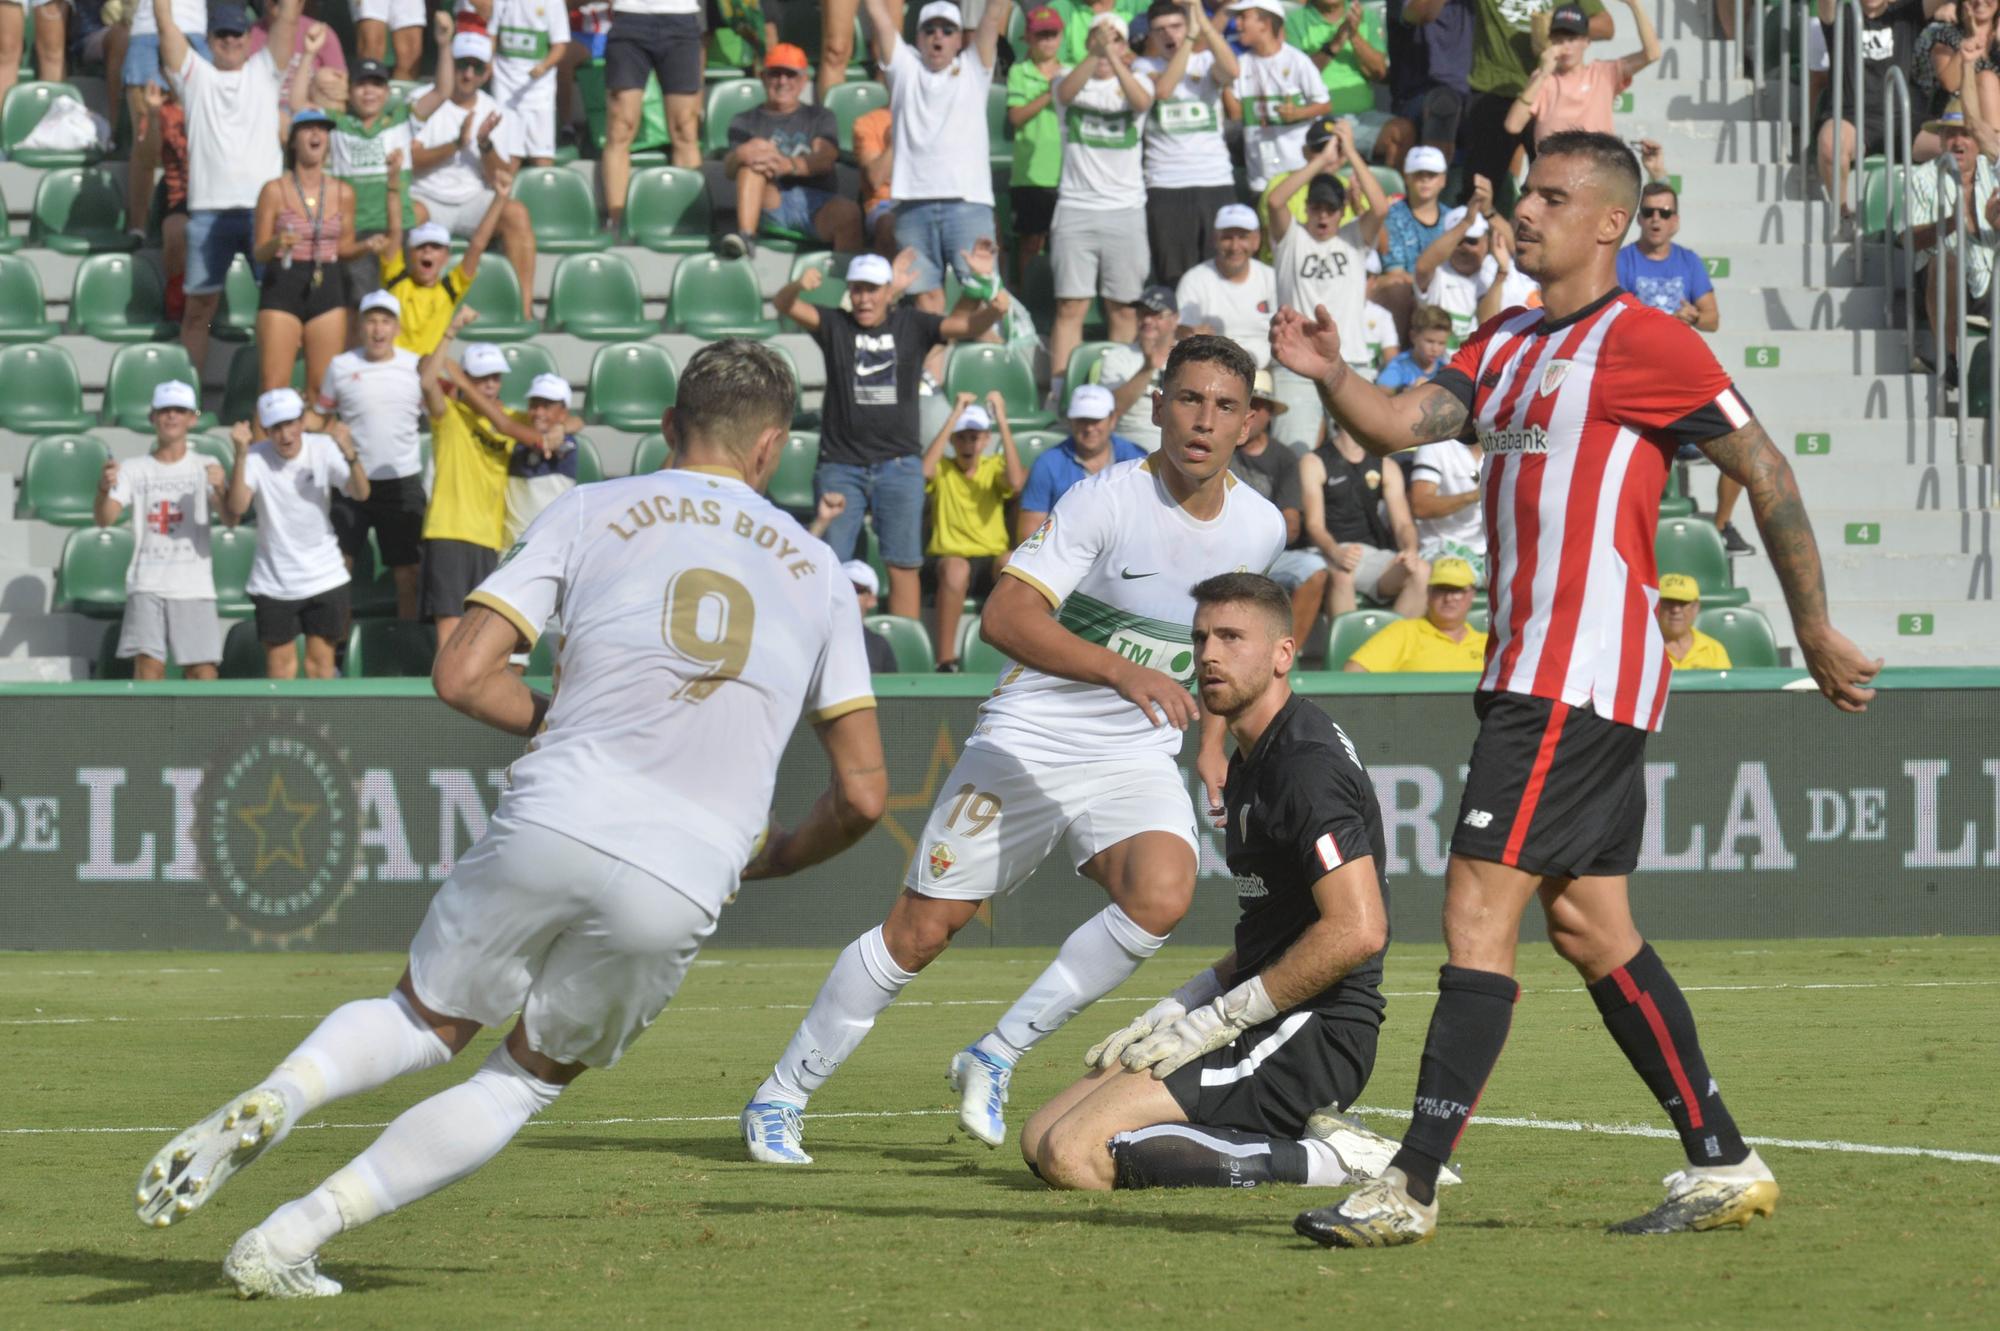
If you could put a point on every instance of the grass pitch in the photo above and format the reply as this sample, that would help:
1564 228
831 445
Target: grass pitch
630 1202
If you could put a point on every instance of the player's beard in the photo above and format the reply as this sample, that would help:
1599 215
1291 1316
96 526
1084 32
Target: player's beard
1232 696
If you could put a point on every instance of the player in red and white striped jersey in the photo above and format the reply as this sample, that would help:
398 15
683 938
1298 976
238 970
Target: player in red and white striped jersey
1580 406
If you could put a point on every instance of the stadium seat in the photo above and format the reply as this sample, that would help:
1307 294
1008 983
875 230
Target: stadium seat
59 481
851 101
112 666
236 321
1481 618
792 482
390 649
1693 546
231 551
727 98
1675 504
563 210
91 580
631 384
832 290
1083 368
1031 444
120 298
908 639
80 210
24 108
1390 179
1743 632
1881 205
43 394
1000 141
981 367
135 371
22 315
542 660
597 297
496 294
243 656
239 390
9 242
216 449
589 467
714 297
525 360
650 455
667 210
801 418
1350 630
975 654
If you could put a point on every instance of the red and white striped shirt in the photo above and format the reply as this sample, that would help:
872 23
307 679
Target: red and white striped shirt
1580 419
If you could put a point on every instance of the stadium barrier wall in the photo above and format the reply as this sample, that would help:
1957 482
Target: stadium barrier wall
322 815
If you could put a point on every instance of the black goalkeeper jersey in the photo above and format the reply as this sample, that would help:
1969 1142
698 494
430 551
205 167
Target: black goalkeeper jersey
1301 805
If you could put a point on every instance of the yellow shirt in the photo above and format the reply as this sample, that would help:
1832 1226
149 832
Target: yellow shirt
469 498
1418 644
427 311
969 513
1703 653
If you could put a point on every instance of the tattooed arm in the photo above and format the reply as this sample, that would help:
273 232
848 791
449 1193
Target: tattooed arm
1840 668
1380 422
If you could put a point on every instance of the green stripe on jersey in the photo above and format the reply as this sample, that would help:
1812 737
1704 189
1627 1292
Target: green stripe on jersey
1155 643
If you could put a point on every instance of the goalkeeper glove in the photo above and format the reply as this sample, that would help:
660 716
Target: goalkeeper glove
1197 991
1202 1030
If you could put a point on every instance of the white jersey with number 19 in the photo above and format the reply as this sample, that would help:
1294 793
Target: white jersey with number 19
698 620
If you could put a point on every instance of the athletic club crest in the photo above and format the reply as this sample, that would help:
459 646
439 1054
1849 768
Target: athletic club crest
1553 376
941 859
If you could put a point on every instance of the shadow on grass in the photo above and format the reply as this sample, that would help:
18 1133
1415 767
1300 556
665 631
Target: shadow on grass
134 1279
1067 1215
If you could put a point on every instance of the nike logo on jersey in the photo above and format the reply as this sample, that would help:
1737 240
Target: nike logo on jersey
1128 574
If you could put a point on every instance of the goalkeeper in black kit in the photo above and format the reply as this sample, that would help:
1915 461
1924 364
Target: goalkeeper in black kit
1239 1077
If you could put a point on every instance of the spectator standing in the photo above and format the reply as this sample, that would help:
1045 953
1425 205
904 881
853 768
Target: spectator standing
1133 372
314 48
530 38
233 148
1503 54
1889 31
869 443
1235 293
382 24
1458 269
141 69
875 154
298 581
942 180
1089 448
1036 171
537 477
1278 93
969 493
429 293
1687 646
372 144
375 391
1098 239
1082 20
1669 277
1346 42
51 49
1354 512
836 41
1437 640
1430 60
1413 223
781 158
1568 90
648 38
174 496
1188 172
1445 500
1430 341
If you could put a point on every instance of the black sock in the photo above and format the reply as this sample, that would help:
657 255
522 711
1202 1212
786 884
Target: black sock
1468 1028
1187 1155
1650 1019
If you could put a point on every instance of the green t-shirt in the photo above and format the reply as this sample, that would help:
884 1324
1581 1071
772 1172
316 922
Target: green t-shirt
1347 87
1038 143
1077 17
360 157
1503 44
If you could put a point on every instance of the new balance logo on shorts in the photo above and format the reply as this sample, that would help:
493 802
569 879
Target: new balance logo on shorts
1478 818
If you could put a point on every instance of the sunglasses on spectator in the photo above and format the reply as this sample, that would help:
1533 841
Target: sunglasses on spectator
226 35
783 73
470 66
1662 213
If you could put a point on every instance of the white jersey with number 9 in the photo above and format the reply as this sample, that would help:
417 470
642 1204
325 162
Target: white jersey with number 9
698 620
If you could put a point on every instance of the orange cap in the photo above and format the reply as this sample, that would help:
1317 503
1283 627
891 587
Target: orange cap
785 56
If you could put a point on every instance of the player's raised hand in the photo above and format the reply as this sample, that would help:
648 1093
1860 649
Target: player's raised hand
1158 695
1842 670
1106 1052
1307 347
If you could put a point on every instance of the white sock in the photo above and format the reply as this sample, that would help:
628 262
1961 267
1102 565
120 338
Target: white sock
865 980
430 1146
358 1047
1323 1167
1102 954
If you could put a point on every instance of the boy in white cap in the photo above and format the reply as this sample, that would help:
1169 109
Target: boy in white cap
174 496
374 389
969 497
298 581
1278 93
427 286
1458 268
1235 293
537 477
1089 449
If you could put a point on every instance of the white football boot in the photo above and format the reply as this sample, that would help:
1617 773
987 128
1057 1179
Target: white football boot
258 1274
192 1167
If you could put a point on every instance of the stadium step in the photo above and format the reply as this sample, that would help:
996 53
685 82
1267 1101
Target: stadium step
1901 531
1801 309
1924 628
1882 572
1870 397
1756 356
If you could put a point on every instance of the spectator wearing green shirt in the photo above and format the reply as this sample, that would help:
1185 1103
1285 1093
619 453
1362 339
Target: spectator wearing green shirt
368 138
1031 113
1348 45
1504 53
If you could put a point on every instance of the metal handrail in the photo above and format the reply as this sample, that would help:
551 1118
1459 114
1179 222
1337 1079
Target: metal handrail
1804 128
1897 113
1960 336
1992 372
1847 23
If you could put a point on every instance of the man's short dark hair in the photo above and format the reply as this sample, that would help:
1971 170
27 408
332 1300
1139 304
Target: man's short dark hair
1252 589
731 392
1653 188
1609 158
1165 9
1208 347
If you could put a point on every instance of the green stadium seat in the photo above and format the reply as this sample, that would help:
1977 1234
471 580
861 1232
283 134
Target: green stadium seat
833 289
1083 362
1881 203
390 649
80 210
714 297
650 455
120 298
597 297
1390 179
1673 503
243 656
792 482
59 481
1350 630
1743 632
851 101
496 294
983 367
22 312
43 393
727 99
231 552
542 660
589 467
525 360
801 418
667 210
215 448
24 108
1481 618
1000 140
112 666
135 371
91 579
562 209
236 321
239 390
908 639
9 242
975 654
1031 444
1693 546
631 384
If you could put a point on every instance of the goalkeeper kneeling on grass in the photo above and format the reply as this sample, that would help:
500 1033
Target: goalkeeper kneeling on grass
1240 1077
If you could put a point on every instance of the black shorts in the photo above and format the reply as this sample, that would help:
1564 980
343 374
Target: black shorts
1034 209
1485 146
394 510
452 569
1553 789
291 290
672 46
1874 128
1273 1077
1180 227
320 616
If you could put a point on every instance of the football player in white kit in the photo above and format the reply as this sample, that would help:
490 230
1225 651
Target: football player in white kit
698 621
1076 747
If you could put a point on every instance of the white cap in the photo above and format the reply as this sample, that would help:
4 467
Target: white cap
383 300
974 418
862 574
472 46
1090 402
430 233
174 393
944 9
278 406
1457 215
1423 157
1113 20
549 388
483 359
872 268
1236 217
1271 7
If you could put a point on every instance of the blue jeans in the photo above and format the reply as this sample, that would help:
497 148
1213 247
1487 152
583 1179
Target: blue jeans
892 492
215 236
142 60
938 229
797 207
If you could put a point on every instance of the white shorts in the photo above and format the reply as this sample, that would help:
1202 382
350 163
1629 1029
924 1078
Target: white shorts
586 947
998 818
529 126
461 219
396 13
